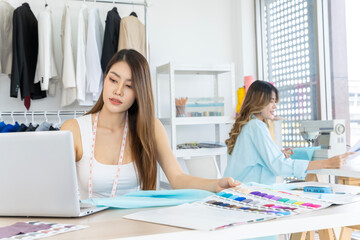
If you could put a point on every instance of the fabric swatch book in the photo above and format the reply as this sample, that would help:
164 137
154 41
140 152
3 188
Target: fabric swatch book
230 207
36 230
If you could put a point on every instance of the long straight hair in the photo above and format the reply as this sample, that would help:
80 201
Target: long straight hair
141 116
256 99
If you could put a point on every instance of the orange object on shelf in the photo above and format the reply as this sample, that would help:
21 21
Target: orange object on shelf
240 98
241 92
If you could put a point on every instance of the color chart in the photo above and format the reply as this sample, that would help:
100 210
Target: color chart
231 207
264 198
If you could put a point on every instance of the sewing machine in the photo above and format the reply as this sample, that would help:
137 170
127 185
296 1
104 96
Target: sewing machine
329 134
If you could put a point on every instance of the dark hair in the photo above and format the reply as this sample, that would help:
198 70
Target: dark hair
141 116
257 97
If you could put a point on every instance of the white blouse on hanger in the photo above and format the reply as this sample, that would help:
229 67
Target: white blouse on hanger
95 36
84 98
46 72
68 71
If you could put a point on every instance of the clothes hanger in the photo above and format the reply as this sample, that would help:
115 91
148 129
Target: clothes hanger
46 3
32 123
133 13
59 122
1 118
26 120
46 119
32 117
12 117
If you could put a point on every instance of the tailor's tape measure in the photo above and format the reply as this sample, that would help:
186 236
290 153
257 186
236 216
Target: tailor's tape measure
317 189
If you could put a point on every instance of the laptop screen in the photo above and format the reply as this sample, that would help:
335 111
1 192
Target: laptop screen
38 175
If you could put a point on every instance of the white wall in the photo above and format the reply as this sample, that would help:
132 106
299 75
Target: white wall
191 32
245 39
183 31
204 32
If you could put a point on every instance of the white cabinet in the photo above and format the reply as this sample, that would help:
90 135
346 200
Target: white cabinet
174 81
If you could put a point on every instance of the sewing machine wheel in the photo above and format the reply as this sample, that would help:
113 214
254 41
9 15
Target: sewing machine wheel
339 128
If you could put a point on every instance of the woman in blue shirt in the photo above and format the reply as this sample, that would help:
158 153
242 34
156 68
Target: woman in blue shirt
252 154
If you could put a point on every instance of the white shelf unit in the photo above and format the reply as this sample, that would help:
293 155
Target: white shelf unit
197 120
171 74
181 153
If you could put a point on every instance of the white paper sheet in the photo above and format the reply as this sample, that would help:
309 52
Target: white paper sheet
355 158
197 216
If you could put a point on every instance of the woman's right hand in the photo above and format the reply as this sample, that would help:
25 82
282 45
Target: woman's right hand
337 161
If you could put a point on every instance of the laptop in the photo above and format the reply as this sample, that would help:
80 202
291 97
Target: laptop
38 176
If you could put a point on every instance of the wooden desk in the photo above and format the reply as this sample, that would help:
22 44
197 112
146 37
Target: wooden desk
109 224
335 216
102 225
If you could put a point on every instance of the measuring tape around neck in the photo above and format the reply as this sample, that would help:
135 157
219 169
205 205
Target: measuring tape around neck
93 156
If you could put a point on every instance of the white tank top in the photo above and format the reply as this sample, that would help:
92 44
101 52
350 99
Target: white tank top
103 174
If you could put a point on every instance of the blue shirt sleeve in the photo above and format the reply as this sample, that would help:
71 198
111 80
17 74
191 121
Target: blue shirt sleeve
271 156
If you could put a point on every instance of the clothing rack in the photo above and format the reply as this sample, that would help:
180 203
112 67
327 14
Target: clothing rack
43 113
119 2
145 4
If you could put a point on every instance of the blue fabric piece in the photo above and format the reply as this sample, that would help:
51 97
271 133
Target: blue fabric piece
305 153
143 199
264 238
256 158
2 125
11 128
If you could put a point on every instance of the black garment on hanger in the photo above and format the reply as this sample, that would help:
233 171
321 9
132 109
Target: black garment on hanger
22 128
25 52
31 128
133 14
53 129
111 37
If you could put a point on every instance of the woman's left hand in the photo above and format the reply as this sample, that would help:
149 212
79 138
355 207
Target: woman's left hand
226 182
287 152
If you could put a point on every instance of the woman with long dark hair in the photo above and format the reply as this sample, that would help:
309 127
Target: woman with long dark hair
119 142
252 154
